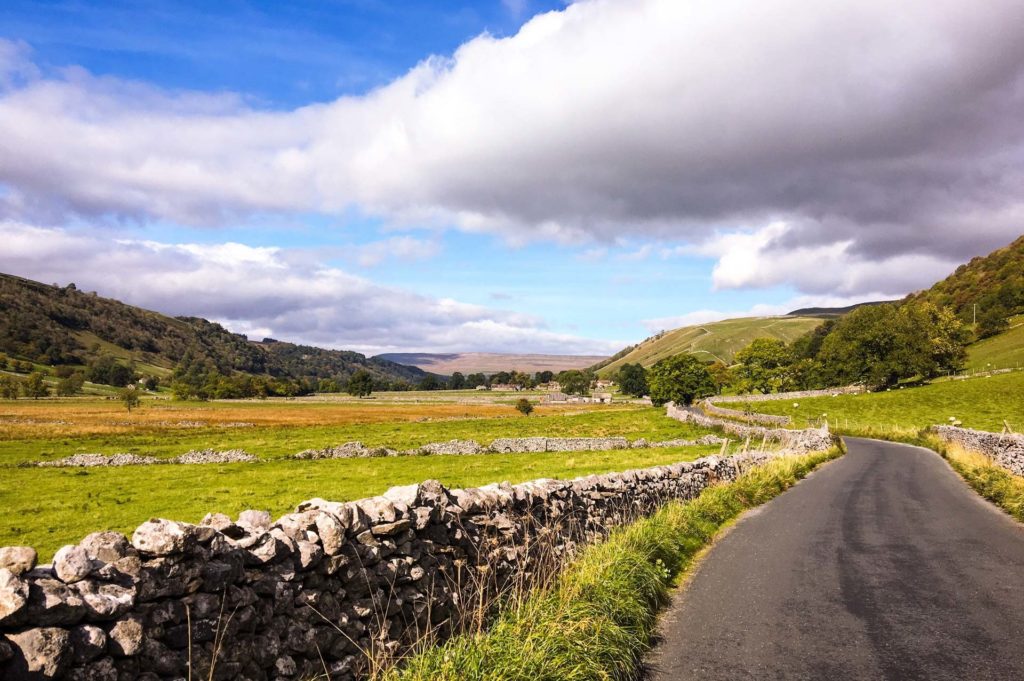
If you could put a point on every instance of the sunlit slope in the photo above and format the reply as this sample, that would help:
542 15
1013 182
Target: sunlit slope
983 403
999 352
714 341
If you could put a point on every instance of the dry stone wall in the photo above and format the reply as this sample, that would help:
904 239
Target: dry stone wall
764 419
1005 450
811 439
794 395
253 598
357 450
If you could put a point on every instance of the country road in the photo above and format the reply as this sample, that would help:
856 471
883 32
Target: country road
881 565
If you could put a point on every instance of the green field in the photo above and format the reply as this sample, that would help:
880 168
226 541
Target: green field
980 403
48 507
715 340
999 352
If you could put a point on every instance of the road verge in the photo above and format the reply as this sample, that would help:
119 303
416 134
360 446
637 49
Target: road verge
596 619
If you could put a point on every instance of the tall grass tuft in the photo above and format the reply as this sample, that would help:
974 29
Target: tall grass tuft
595 620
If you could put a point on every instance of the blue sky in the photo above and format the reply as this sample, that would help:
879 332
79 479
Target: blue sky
507 175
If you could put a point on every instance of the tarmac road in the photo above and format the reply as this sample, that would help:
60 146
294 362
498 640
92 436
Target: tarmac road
881 565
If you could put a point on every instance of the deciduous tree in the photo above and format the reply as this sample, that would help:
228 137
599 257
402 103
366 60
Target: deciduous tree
632 380
35 386
524 406
680 379
360 384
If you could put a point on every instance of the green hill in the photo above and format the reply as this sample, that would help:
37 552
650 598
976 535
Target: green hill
60 325
994 280
1003 351
712 341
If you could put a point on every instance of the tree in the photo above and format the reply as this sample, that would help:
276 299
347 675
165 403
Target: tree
70 385
883 344
632 380
429 382
106 369
9 387
457 382
763 366
520 380
130 396
574 382
327 385
680 379
523 406
543 377
360 384
35 386
475 380
992 321
721 376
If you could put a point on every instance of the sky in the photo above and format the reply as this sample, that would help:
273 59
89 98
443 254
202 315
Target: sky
505 175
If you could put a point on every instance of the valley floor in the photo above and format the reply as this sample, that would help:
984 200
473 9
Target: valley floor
46 507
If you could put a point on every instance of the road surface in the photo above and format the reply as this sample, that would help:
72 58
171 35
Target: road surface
881 565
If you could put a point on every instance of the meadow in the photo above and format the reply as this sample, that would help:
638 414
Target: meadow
1003 351
982 403
48 429
49 507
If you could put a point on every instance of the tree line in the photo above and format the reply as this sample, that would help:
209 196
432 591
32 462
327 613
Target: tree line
878 346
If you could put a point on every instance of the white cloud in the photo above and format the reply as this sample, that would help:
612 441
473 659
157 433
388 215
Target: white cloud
771 256
258 291
874 129
405 248
707 316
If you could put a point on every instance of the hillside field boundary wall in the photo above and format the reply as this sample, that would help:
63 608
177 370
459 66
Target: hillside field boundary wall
713 409
808 440
793 395
1005 450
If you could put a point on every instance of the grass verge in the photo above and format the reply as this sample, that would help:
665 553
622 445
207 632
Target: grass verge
596 620
993 482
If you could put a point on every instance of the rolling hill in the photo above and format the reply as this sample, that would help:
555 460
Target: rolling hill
490 363
712 341
60 325
1003 351
993 280
831 312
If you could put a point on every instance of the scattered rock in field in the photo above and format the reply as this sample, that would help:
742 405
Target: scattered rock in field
213 456
90 460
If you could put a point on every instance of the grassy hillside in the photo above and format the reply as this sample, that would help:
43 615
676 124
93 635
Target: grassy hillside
713 341
999 352
55 325
490 362
994 279
980 403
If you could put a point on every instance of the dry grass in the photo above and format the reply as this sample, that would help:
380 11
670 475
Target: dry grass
29 419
